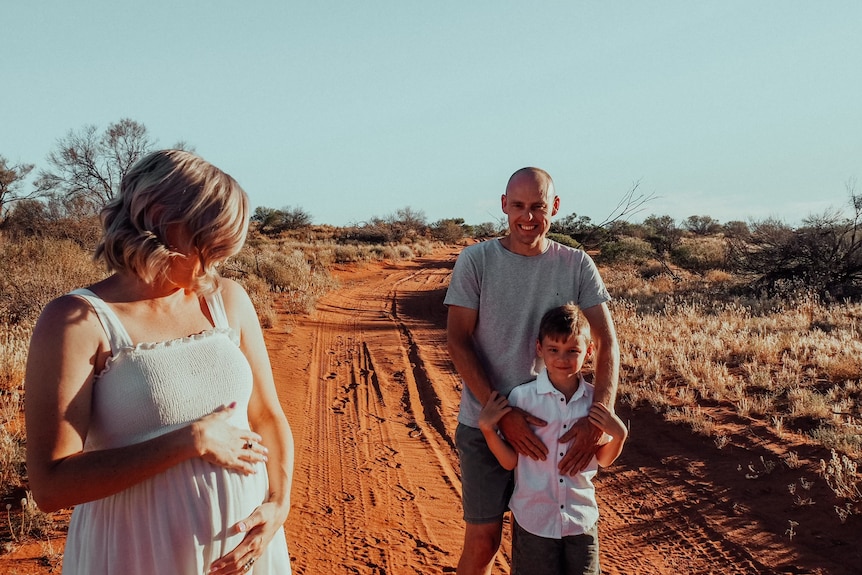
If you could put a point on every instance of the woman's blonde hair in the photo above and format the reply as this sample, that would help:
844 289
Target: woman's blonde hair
173 188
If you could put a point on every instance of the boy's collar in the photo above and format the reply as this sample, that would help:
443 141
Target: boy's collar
544 385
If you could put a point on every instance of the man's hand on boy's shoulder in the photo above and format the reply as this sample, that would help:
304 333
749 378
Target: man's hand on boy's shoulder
515 426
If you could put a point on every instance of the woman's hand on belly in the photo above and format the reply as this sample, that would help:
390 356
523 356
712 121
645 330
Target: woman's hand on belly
226 445
259 528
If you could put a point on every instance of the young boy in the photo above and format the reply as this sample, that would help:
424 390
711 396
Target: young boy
554 528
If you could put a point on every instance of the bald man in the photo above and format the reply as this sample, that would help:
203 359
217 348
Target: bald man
497 295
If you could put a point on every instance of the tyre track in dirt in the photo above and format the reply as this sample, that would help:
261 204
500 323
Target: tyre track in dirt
377 488
372 397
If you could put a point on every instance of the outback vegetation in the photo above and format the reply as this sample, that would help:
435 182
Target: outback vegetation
724 327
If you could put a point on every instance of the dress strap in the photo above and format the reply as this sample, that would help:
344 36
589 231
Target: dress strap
215 303
117 334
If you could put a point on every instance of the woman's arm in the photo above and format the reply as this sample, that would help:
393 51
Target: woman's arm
266 418
68 346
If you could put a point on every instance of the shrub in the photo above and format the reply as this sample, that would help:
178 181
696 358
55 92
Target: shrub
700 254
33 271
564 239
626 250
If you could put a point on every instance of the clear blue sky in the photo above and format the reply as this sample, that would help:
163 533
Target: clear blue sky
735 109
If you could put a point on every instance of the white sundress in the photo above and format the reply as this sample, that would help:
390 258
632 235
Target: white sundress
182 519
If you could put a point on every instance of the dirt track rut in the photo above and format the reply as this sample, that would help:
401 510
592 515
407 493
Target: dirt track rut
372 398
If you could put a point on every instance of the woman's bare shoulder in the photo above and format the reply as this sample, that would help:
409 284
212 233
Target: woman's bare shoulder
68 314
233 293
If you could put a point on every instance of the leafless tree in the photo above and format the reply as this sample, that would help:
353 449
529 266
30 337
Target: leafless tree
823 256
11 178
90 165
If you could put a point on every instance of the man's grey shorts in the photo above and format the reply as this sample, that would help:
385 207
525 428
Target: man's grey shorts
485 485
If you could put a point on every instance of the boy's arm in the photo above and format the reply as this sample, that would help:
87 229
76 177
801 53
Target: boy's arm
610 423
504 453
607 368
496 407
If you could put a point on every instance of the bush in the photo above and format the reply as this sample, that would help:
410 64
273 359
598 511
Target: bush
448 230
824 256
700 254
284 272
565 240
626 250
33 271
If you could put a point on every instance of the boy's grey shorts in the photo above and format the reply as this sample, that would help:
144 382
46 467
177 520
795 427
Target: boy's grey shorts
571 555
485 485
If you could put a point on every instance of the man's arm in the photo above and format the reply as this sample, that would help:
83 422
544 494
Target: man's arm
607 373
607 353
460 326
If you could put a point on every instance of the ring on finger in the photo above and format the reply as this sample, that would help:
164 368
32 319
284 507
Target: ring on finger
248 564
248 445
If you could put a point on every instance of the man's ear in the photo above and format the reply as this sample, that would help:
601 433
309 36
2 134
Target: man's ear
539 348
503 203
555 207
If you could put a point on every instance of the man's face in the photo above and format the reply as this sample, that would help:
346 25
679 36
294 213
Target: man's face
529 212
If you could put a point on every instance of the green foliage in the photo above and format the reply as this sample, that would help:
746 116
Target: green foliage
662 234
823 256
272 222
565 240
488 230
736 229
403 226
573 225
700 255
626 250
702 225
449 230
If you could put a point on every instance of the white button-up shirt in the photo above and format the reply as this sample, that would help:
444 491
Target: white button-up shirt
544 502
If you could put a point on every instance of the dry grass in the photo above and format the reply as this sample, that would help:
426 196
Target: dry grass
690 348
279 275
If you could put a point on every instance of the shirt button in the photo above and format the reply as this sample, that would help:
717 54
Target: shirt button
561 479
562 507
564 426
561 455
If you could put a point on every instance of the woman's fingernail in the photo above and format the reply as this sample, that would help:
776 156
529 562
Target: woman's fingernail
241 527
232 405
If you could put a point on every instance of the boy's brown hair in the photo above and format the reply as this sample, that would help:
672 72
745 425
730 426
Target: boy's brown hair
563 322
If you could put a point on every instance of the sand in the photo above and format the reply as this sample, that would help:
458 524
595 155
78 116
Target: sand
372 399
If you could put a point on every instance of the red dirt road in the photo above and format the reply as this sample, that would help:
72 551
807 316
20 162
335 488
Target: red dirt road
372 399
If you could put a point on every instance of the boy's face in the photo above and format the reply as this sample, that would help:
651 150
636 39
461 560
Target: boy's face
564 358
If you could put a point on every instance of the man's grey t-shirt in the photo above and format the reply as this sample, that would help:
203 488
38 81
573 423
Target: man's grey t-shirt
512 292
